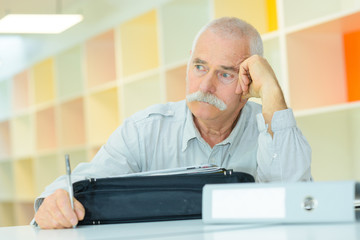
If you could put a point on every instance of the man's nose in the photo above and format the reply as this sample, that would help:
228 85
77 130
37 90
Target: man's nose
207 84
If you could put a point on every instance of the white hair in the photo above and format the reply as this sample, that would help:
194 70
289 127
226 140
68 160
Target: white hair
231 27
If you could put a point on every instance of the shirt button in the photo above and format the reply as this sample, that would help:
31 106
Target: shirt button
275 155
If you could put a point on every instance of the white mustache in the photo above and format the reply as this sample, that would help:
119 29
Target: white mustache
208 98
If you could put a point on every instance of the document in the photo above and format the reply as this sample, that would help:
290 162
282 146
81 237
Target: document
196 169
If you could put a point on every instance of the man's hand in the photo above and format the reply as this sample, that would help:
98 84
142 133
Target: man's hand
257 79
56 211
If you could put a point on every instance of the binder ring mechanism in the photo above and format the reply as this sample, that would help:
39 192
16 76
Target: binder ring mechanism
309 203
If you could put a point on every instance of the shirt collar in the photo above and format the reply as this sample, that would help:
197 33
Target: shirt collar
191 132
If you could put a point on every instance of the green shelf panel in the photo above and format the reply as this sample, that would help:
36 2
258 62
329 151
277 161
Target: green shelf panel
180 22
69 72
141 94
5 99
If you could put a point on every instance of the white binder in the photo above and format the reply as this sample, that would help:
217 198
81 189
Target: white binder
301 202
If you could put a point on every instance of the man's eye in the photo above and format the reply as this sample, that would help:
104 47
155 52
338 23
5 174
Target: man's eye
226 75
226 78
200 68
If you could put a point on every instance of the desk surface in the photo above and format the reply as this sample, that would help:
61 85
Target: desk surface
189 230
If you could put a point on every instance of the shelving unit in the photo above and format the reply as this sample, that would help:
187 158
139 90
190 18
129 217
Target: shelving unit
73 100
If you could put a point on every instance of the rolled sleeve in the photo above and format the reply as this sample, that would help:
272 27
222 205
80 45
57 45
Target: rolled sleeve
286 156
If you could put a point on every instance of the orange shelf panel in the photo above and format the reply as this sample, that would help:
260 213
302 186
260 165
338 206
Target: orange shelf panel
100 59
46 129
21 91
352 60
176 84
5 140
72 120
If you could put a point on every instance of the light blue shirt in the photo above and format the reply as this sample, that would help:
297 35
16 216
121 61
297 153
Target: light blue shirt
164 136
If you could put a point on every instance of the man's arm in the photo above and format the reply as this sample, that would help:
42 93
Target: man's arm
283 152
257 79
114 158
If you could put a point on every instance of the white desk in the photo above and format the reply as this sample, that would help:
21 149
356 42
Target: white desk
189 230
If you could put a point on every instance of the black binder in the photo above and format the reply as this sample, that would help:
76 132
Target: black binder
148 198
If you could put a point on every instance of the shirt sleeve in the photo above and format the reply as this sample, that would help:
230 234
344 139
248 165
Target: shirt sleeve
118 156
285 157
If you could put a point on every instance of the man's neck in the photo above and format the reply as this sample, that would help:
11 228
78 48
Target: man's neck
214 132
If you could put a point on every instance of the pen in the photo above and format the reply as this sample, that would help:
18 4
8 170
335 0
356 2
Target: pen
70 187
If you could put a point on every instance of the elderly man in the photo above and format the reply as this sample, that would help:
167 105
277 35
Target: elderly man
216 124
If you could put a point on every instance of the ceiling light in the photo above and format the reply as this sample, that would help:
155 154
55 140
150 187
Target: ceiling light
38 23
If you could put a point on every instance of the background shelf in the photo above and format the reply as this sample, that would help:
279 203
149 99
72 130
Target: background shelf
5 99
172 14
6 181
100 59
139 44
43 80
71 100
72 123
69 72
22 136
262 14
103 115
46 137
5 140
148 88
20 93
24 179
176 84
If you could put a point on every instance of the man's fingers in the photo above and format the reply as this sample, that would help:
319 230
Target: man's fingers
79 209
64 205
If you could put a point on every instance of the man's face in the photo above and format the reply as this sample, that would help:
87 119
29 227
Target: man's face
213 69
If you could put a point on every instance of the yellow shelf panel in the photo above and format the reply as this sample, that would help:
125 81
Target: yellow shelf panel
6 181
24 179
21 91
176 84
141 94
72 123
259 13
139 44
69 72
24 213
5 140
46 129
103 115
43 78
7 218
100 59
5 99
22 136
178 32
46 170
